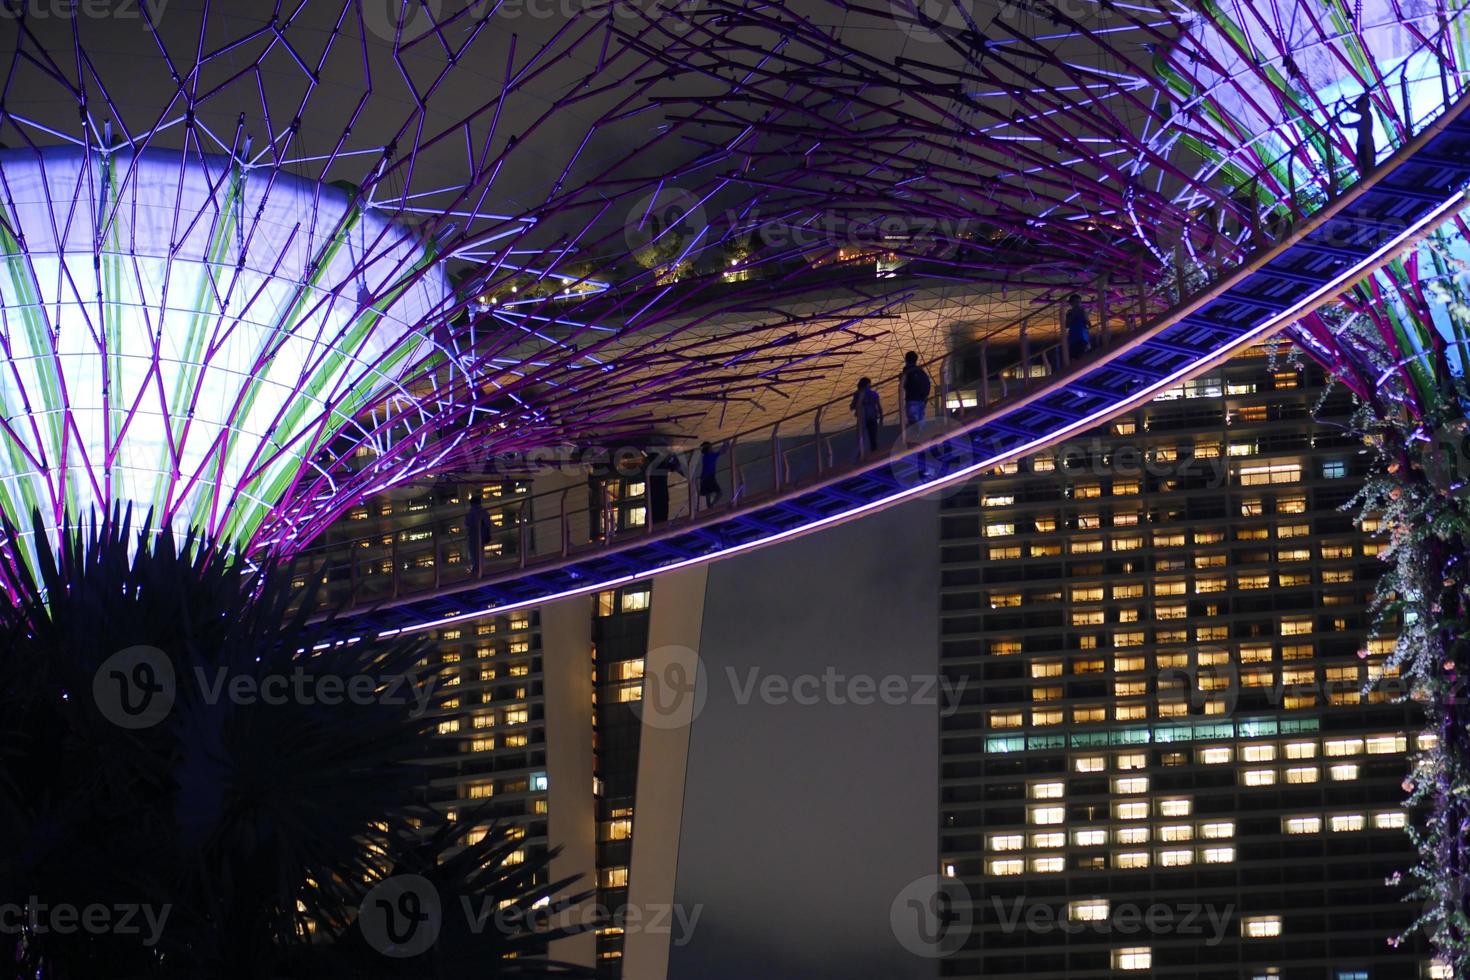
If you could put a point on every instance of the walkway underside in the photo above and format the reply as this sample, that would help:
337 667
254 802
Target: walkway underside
1371 223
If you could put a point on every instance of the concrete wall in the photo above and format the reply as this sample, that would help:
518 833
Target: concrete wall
806 813
566 666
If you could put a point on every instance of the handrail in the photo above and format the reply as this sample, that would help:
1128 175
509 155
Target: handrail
577 530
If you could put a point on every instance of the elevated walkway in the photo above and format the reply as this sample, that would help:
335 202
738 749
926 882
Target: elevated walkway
790 485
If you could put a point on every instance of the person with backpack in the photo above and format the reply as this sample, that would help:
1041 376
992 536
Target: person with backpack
916 387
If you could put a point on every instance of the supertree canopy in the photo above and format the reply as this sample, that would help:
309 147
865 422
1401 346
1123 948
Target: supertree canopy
262 264
1158 144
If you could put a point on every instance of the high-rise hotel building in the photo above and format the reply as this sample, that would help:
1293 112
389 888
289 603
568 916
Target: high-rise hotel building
1175 749
1179 755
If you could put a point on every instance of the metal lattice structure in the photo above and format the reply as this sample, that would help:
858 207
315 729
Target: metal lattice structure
258 268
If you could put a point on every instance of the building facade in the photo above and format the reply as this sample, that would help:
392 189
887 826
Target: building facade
1179 754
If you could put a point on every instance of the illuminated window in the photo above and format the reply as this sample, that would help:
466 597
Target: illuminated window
1291 505
1176 832
1047 716
1089 910
1392 820
1302 825
1253 581
1215 756
1131 835
1048 865
1297 651
1217 829
1088 522
1296 626
1089 763
1170 612
1047 693
1253 476
1130 860
1130 712
1004 554
1005 719
1342 746
1043 464
1085 491
1046 549
1302 774
1174 808
1132 590
1089 838
1005 866
1134 957
1175 859
1383 744
1127 544
1006 842
1126 689
1258 777
1218 855
1131 639
1128 665
1086 547
1003 600
1345 823
1209 585
1294 554
1343 772
1260 926
1334 469
1091 617
1045 524
1125 518
1046 815
1089 713
999 530
998 500
1131 784
1132 760
1047 791
1130 811
1002 648
1088 665
1046 668
1125 488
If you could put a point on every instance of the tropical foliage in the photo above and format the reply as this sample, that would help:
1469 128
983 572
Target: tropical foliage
245 813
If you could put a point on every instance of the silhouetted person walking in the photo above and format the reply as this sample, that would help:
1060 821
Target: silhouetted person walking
709 474
916 387
477 529
1079 335
656 469
867 408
